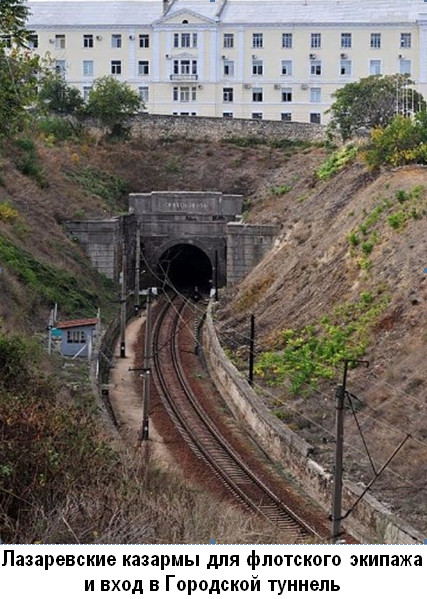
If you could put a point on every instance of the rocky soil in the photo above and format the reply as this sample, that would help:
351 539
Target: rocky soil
315 268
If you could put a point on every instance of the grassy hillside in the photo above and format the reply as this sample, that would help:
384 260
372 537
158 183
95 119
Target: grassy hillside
44 182
63 476
346 280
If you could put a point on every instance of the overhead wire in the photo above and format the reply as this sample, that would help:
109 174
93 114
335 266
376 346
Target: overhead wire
322 394
348 445
380 421
397 393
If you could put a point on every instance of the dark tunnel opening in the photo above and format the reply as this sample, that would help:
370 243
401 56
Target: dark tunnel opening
185 266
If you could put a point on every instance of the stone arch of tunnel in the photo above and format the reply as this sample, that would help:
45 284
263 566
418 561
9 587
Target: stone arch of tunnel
185 266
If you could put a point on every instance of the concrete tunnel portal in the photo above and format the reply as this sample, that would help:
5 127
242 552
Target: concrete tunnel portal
185 266
192 236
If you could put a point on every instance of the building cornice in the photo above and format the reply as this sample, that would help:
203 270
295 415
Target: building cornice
210 24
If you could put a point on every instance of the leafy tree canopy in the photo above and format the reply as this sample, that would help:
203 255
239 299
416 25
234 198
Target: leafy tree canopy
57 96
18 68
13 17
402 141
111 103
373 102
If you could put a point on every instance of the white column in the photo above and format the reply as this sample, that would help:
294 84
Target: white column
214 56
132 60
201 53
241 55
156 55
423 55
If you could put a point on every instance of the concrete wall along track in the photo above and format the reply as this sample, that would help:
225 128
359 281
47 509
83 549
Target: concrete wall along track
370 522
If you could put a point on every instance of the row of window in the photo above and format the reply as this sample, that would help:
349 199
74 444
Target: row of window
180 40
144 93
89 40
189 40
315 117
315 94
189 94
316 40
188 68
345 67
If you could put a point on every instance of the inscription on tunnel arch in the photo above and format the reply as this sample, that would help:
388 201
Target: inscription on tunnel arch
186 206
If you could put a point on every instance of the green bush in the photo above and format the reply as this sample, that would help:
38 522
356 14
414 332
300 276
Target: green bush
403 141
397 220
336 161
367 247
97 182
281 190
8 214
27 161
314 352
353 239
401 196
60 128
49 448
49 284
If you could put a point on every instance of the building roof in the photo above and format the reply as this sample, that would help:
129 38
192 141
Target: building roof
82 322
93 13
321 11
201 7
144 12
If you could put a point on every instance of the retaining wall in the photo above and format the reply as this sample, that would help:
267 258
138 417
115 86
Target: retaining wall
370 522
247 244
217 128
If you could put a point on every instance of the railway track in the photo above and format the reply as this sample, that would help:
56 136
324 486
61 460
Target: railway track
201 433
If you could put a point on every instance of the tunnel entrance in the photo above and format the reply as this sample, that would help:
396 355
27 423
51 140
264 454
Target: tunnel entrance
185 266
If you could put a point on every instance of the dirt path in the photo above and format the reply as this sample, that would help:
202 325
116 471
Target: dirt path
126 399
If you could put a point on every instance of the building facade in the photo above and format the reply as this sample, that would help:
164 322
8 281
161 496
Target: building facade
261 59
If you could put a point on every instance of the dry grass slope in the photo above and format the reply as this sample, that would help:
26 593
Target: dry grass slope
62 477
357 239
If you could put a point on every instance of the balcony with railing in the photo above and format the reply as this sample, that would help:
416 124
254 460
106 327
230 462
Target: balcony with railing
183 77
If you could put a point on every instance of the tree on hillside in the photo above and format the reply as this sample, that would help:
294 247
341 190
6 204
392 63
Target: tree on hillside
18 69
111 103
57 96
373 102
402 141
13 17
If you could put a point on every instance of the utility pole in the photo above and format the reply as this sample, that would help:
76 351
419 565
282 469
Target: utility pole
123 303
89 347
339 443
336 516
137 269
216 275
49 330
146 370
251 351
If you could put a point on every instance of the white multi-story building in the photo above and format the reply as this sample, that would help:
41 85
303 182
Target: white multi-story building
233 58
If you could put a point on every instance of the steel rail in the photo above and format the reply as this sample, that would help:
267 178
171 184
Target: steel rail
203 436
